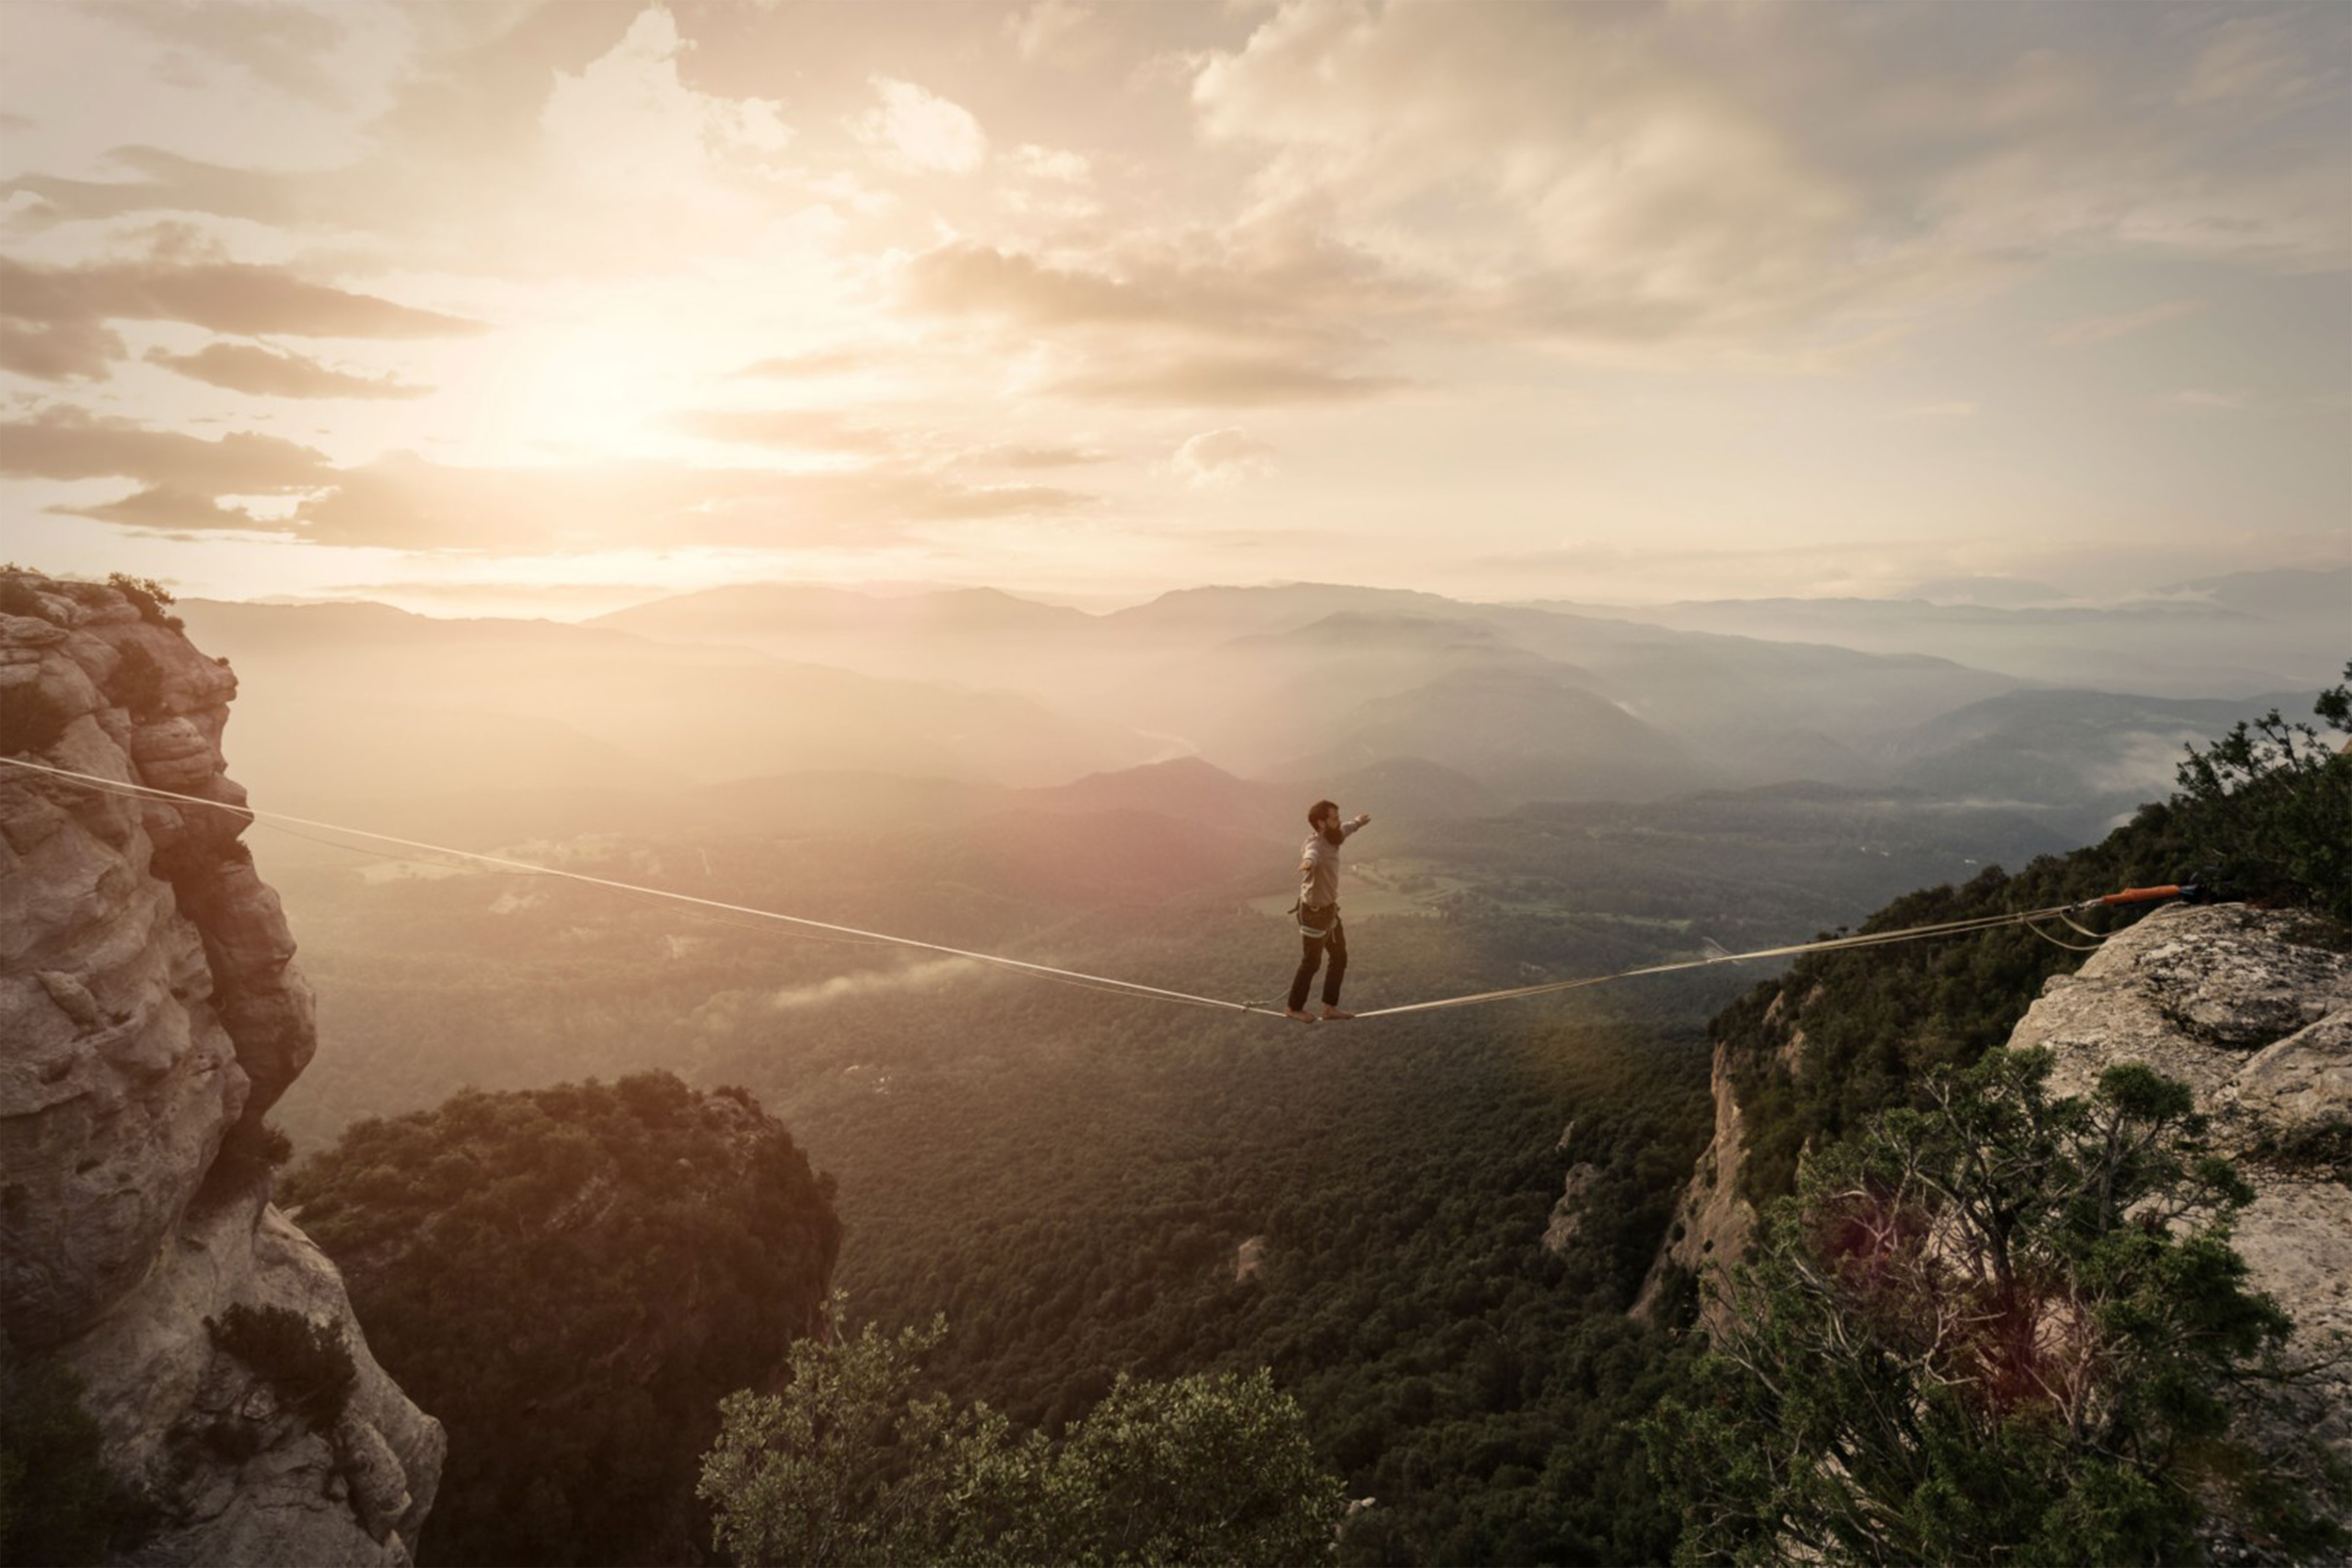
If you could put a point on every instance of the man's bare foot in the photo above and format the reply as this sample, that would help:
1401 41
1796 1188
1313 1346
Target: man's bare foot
1294 1013
1333 1015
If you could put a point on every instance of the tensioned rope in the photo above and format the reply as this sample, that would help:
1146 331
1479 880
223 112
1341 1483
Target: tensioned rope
1099 982
1044 971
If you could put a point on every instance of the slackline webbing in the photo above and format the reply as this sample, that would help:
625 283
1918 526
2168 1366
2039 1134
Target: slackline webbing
1102 981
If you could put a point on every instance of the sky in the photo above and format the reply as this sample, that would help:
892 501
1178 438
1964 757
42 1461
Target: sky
480 307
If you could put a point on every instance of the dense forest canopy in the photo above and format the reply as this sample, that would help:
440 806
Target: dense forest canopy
570 1278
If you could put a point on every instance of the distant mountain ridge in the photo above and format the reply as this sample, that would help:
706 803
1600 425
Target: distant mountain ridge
1322 686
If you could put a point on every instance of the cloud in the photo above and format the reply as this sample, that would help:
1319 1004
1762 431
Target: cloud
69 349
1216 457
2106 329
1951 409
920 129
627 123
1038 456
273 42
1230 381
284 198
55 316
814 363
802 429
1307 294
1048 30
1663 175
1055 164
2202 397
928 975
62 442
405 501
244 367
169 508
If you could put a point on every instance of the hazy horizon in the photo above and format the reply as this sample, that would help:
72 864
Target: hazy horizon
571 306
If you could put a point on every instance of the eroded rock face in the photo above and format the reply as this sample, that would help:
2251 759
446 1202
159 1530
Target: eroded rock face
2253 1009
2198 993
1568 1209
148 1005
1713 1221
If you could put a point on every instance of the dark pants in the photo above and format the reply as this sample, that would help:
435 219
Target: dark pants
1334 941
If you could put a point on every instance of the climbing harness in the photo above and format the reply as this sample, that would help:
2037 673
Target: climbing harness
1714 954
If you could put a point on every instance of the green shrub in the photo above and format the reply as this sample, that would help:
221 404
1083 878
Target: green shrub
305 1363
2272 804
2000 1329
851 1464
147 596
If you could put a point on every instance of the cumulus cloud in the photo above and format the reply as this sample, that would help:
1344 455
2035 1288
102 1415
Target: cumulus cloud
246 367
922 129
1216 457
628 123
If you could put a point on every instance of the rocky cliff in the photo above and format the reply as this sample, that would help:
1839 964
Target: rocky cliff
150 1013
2251 1007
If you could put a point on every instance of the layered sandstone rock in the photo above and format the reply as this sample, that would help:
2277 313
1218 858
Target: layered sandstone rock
148 1007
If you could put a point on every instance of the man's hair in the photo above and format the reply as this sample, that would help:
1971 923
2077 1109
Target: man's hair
1320 810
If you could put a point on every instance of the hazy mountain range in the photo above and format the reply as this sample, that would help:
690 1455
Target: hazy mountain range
2215 636
1405 700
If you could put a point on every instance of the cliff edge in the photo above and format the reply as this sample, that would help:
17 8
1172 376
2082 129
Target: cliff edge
151 1014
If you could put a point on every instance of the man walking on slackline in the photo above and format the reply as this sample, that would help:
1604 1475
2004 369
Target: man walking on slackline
1319 910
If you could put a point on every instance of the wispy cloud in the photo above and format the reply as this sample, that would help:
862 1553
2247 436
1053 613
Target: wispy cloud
926 975
2106 329
245 367
56 316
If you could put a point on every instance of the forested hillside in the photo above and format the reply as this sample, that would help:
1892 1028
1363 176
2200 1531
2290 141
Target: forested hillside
570 1278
